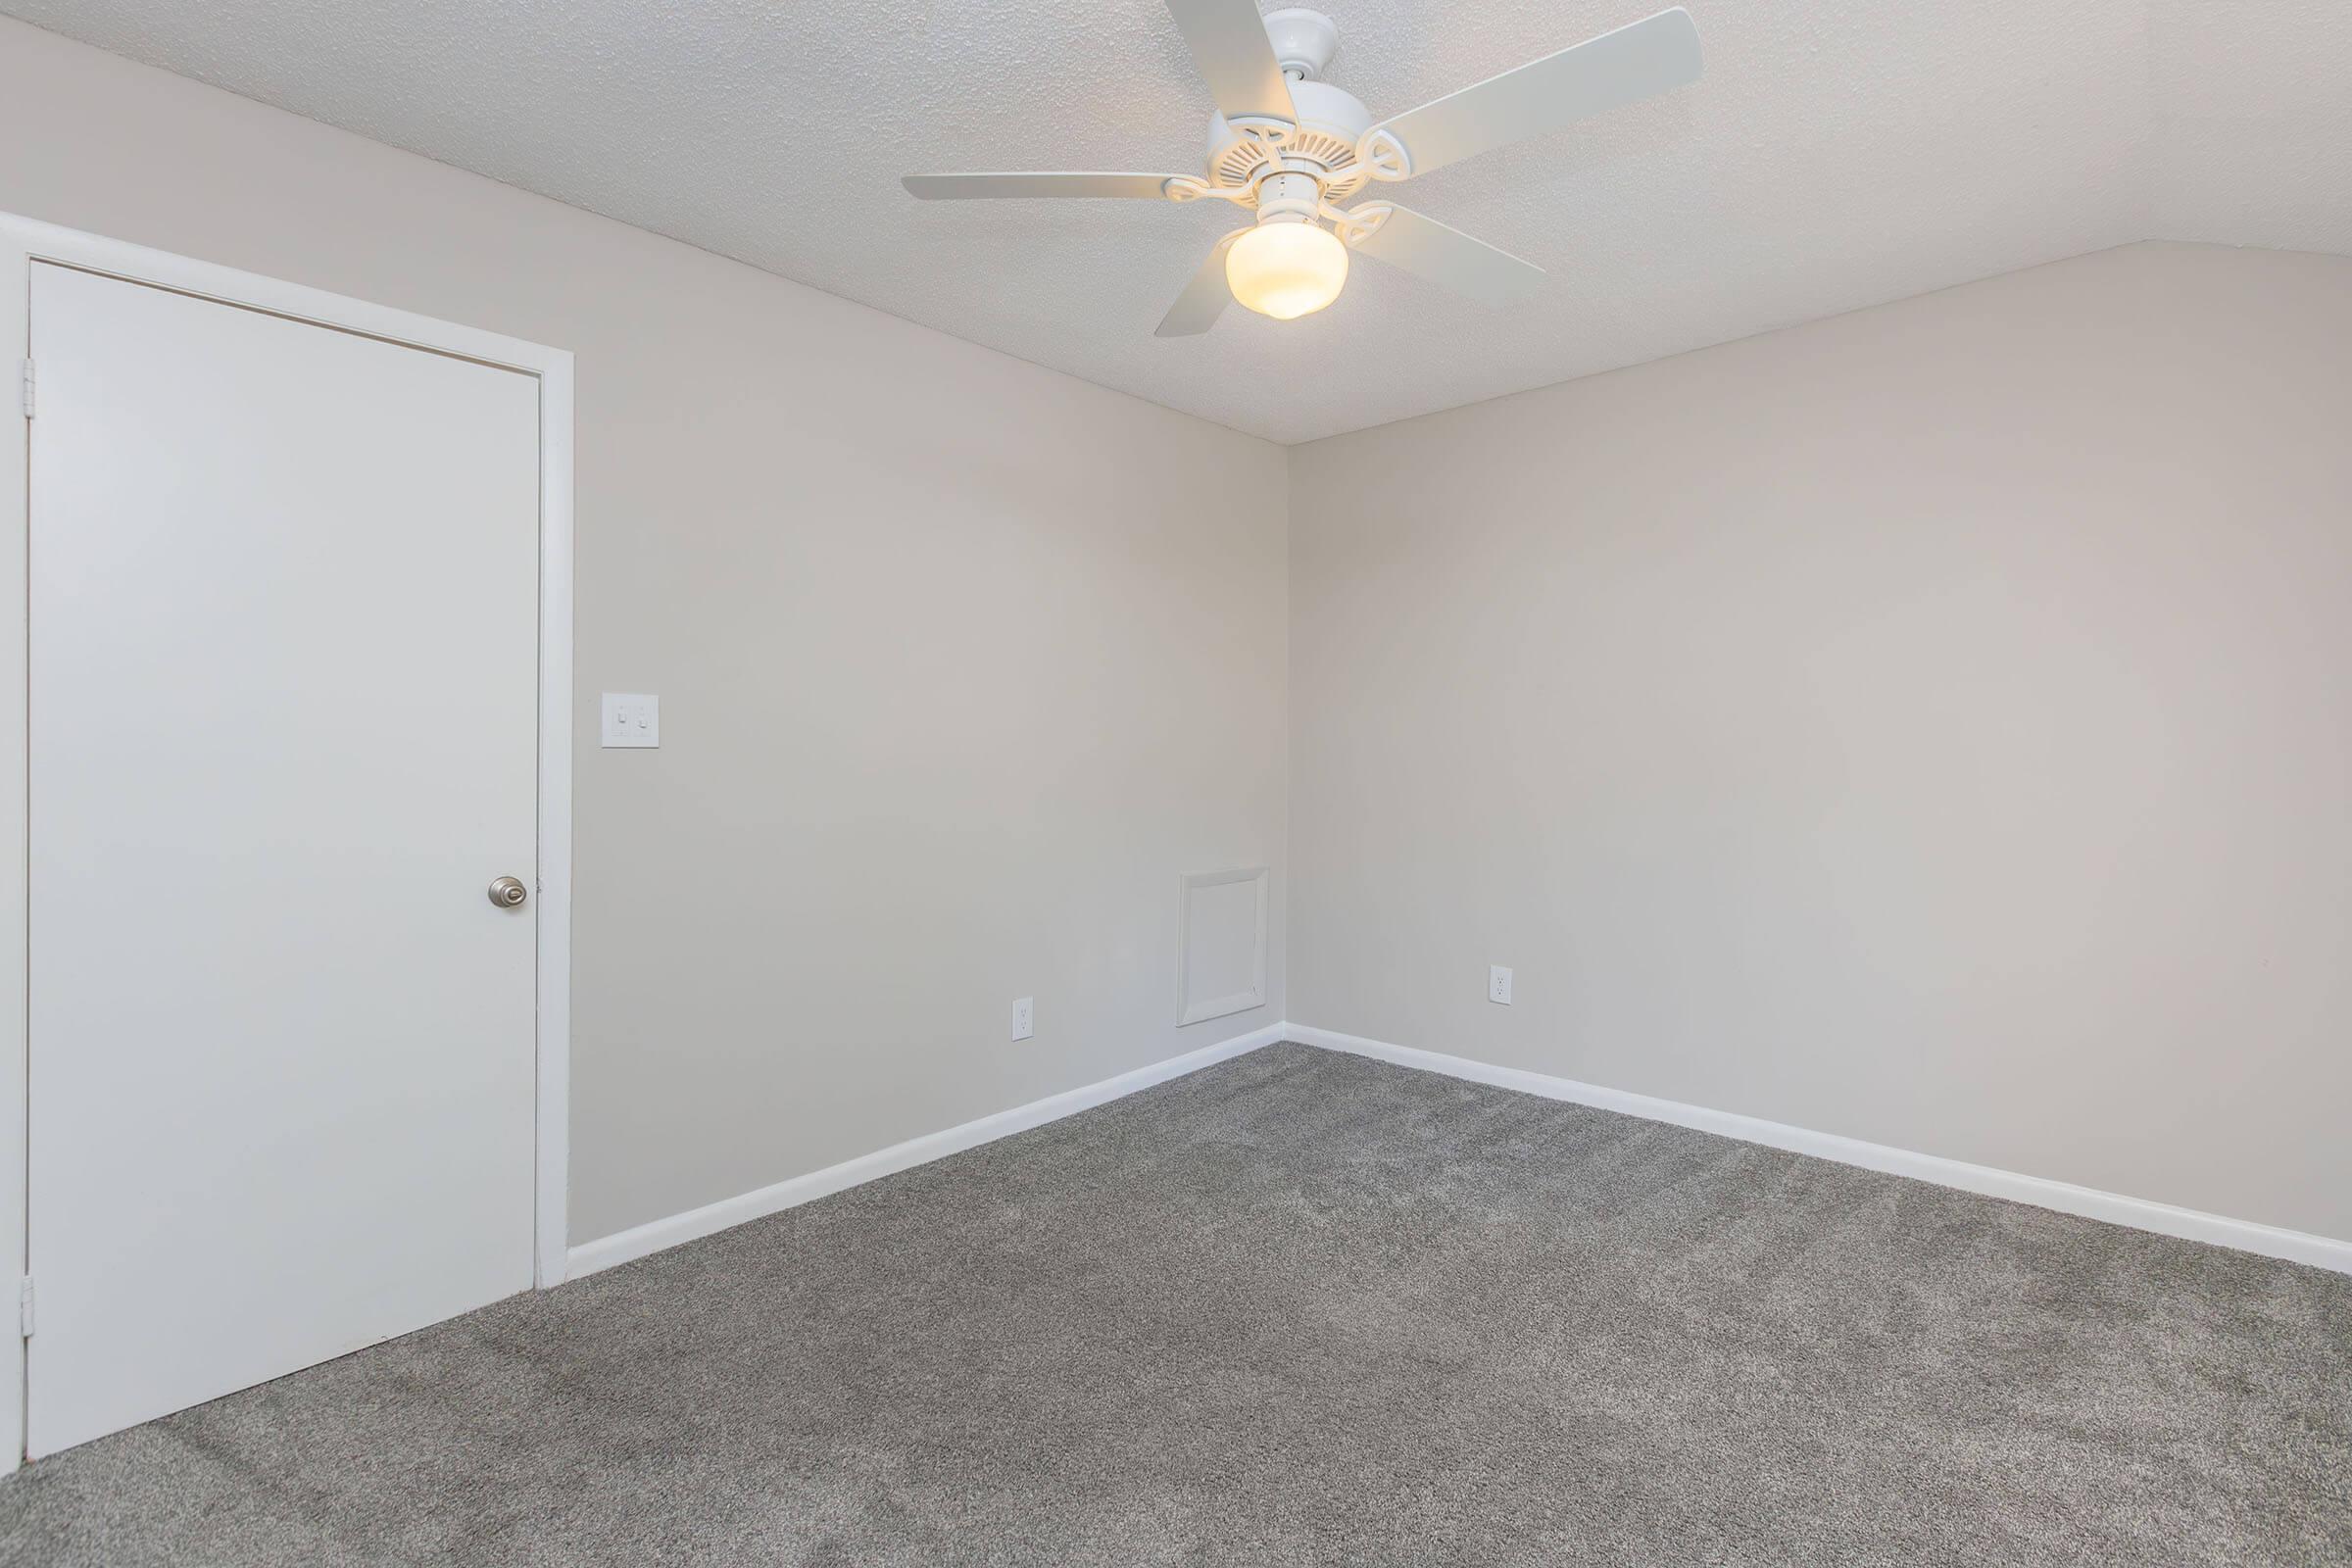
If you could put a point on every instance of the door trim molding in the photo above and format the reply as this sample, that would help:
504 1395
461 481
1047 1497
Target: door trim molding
24 242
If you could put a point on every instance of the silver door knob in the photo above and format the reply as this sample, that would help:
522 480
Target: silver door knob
507 892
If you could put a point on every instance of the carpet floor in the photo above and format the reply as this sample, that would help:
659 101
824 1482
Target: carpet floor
1301 1307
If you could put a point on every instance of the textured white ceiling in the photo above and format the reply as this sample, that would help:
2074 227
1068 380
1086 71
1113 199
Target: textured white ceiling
1839 153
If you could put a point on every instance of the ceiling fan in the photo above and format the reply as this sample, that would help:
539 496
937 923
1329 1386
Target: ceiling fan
1291 147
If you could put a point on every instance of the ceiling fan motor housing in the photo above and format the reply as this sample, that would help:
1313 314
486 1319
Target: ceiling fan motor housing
1331 122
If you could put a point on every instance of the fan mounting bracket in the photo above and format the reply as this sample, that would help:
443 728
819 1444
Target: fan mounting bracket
1303 41
1359 222
1382 156
1189 188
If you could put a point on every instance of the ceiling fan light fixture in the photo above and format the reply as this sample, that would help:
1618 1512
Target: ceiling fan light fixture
1296 149
1287 270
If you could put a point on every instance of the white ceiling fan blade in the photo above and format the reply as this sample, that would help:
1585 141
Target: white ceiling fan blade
1546 95
1203 299
1427 248
967 187
1230 47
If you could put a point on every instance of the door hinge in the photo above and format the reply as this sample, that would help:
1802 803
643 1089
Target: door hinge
28 389
25 1307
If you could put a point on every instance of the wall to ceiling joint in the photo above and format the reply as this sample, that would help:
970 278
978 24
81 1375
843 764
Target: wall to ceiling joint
1836 154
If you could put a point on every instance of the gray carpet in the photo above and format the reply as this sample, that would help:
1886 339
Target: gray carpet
1303 1309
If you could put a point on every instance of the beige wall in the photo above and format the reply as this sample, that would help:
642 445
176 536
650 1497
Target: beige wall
1931 725
963 662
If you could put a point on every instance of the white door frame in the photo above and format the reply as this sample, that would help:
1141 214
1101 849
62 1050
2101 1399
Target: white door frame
24 242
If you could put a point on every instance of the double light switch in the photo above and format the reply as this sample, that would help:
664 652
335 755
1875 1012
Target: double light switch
632 718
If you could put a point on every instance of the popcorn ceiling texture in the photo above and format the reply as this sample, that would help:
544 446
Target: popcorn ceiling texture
1838 154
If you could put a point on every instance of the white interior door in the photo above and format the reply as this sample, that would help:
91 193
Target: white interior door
283 668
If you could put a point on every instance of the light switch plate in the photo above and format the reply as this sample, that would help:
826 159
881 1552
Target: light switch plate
1499 984
1024 1018
632 718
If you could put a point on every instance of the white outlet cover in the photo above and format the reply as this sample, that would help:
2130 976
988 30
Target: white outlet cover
1024 1017
632 718
1498 985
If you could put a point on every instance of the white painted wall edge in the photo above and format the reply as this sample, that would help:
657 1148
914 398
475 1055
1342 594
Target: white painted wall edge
2139 1213
654 1235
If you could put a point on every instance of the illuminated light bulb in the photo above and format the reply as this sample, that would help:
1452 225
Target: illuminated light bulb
1286 270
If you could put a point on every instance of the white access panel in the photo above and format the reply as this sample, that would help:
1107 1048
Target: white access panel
1221 944
283 664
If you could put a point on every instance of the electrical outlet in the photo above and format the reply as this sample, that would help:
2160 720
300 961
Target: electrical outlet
1499 984
1024 1017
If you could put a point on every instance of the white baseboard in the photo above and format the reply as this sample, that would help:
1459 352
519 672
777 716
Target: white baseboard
624 1246
2139 1213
